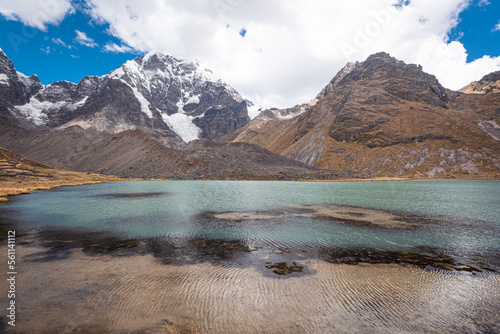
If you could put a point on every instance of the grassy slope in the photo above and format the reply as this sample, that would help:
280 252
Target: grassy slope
19 175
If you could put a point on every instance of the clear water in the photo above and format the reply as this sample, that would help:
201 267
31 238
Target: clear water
176 213
237 292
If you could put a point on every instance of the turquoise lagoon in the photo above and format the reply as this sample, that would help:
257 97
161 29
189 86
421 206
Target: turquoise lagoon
199 256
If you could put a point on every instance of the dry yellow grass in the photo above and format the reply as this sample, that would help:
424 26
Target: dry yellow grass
19 175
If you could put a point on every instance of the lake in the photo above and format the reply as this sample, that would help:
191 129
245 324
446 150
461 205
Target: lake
253 257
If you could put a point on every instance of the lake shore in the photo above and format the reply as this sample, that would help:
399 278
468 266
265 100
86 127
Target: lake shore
13 188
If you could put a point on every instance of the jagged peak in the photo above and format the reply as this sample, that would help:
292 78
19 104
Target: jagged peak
381 69
62 83
382 56
166 65
156 55
381 59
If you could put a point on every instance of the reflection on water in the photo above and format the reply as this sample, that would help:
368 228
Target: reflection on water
254 257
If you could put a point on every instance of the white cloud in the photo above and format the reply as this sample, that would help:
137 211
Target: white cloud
60 42
293 48
36 14
83 39
497 27
114 48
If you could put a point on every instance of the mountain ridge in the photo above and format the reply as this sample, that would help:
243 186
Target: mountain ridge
173 100
376 118
385 118
133 154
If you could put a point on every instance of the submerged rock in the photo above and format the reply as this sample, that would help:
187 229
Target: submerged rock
282 268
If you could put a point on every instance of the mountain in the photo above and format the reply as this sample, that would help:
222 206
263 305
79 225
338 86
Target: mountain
133 154
385 118
15 89
172 100
19 175
488 84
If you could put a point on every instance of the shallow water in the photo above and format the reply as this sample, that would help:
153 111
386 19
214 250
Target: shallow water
373 257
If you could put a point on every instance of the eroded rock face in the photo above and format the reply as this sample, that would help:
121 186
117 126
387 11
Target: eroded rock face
170 99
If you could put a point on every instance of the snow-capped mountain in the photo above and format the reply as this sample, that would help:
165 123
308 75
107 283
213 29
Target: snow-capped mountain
15 88
170 99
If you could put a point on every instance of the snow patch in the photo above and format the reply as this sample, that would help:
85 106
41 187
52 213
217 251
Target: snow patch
4 79
180 107
117 74
25 80
204 73
80 103
144 103
193 99
183 126
33 110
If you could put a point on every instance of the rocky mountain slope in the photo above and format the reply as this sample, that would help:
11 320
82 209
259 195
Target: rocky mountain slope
169 99
133 154
385 118
19 175
488 84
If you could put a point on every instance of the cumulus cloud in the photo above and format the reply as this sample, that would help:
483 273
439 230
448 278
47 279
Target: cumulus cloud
36 14
115 48
83 39
291 49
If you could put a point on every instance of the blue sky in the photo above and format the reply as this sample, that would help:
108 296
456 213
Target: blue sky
273 52
56 54
476 29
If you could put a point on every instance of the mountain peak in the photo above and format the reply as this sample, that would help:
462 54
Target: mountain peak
168 98
397 78
384 56
157 57
383 59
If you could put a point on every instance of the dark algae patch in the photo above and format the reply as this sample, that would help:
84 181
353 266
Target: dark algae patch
271 256
282 260
428 258
282 268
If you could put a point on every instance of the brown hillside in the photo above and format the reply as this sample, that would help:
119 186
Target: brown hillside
20 175
389 119
133 154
